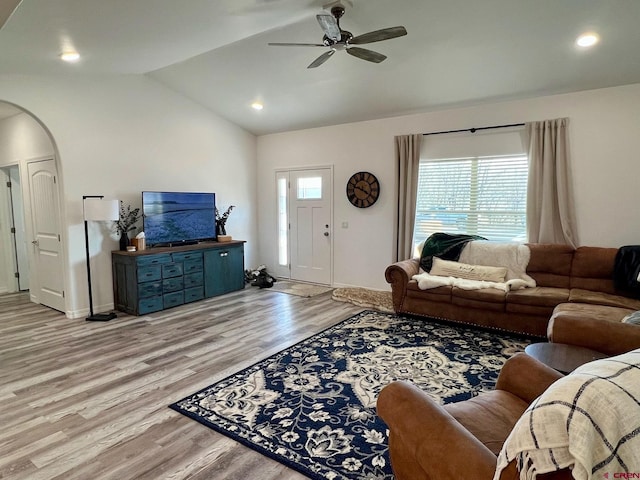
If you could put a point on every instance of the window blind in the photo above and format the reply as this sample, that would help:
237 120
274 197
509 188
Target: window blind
480 195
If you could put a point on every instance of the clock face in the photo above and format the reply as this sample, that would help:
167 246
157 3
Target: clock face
363 189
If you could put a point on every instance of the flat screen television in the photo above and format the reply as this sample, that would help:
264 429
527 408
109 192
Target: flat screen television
175 218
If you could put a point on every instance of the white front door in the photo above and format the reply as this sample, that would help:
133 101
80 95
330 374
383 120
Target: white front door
310 234
47 283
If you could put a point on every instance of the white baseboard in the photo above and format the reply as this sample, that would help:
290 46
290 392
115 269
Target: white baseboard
84 312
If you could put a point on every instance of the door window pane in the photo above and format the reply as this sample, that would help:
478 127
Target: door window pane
309 188
283 223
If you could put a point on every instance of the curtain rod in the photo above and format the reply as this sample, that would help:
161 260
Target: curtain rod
474 130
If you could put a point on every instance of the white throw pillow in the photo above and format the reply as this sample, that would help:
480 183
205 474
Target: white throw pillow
447 268
633 318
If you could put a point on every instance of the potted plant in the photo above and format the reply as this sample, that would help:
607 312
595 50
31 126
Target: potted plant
126 223
221 221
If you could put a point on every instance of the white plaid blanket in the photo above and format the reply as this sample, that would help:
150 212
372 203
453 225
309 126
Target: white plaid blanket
588 421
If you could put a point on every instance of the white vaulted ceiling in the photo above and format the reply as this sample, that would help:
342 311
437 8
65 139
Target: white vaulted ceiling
456 53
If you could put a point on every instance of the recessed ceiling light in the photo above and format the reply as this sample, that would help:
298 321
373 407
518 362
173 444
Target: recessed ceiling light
587 39
257 106
70 56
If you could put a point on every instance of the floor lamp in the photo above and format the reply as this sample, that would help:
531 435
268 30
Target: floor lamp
97 210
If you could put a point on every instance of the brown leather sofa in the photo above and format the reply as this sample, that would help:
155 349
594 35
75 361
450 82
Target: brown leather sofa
461 440
581 278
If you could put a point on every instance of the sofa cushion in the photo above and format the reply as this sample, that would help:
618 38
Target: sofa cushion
447 268
489 417
412 288
486 298
578 295
437 295
592 269
580 311
550 264
539 296
492 295
520 309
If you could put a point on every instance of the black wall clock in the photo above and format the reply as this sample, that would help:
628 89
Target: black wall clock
363 189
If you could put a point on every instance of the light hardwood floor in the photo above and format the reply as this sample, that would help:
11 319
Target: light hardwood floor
85 400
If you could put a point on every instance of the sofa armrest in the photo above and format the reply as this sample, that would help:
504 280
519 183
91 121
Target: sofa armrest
611 338
425 441
402 271
526 377
398 275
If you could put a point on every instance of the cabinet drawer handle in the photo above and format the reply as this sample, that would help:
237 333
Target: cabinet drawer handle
224 254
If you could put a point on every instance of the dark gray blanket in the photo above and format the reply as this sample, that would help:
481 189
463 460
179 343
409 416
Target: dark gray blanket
444 245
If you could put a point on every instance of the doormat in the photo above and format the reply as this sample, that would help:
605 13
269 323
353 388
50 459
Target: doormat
363 297
299 289
312 406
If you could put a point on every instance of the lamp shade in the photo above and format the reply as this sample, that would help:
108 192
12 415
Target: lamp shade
100 210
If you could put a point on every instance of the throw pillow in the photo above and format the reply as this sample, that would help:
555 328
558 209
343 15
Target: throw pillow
447 268
633 318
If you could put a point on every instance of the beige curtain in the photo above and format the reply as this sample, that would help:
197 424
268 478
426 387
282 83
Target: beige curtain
408 161
550 208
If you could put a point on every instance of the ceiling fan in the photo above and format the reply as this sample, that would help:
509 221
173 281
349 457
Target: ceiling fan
7 8
338 39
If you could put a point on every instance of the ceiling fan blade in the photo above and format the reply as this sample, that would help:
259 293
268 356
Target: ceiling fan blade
329 26
6 10
321 59
275 44
364 54
379 35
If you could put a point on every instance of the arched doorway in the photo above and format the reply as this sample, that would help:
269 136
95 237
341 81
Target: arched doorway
30 209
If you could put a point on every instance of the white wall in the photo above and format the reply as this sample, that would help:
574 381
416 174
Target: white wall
21 138
605 141
116 136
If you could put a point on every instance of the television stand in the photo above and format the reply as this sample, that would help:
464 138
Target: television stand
155 279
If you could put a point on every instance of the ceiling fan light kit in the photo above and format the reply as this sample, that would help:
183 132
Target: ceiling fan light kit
335 38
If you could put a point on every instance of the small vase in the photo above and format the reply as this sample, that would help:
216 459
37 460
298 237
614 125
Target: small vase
124 241
220 229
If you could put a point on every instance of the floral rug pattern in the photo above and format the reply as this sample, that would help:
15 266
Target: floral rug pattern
312 406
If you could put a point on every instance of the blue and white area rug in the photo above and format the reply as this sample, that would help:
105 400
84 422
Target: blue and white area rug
312 406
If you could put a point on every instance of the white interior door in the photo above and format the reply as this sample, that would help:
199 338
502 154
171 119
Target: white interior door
22 251
48 278
310 225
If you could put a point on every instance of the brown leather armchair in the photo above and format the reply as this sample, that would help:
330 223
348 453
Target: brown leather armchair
461 440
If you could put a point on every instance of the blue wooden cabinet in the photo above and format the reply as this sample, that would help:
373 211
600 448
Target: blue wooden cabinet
226 267
159 278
